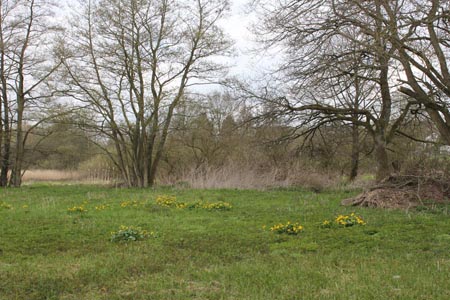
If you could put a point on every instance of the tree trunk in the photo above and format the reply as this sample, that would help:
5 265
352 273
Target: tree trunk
152 175
16 174
355 153
5 140
5 159
382 159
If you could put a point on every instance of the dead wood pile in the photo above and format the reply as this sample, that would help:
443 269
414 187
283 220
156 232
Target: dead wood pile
403 192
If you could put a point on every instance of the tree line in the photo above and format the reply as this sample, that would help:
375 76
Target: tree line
357 78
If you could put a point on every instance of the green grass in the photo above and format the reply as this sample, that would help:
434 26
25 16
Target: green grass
47 253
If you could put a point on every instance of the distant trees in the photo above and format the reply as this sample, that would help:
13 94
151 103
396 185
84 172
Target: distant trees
60 144
130 63
26 33
225 144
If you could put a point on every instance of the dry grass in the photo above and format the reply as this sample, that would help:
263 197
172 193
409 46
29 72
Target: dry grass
52 175
231 176
242 177
39 175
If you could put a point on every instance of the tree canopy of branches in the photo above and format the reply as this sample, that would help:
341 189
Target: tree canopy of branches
25 68
420 33
130 64
346 60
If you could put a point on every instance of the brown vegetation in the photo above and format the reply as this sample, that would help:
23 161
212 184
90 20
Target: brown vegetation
403 192
67 176
247 177
52 175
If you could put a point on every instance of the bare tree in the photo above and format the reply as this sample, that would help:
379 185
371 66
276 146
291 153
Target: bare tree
25 67
339 67
420 34
131 63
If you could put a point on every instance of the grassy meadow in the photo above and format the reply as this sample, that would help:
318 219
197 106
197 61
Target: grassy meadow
48 252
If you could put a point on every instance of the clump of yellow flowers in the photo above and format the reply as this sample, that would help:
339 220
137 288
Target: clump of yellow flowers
101 207
216 205
288 228
349 220
77 209
167 201
132 203
130 233
172 202
4 205
326 224
344 221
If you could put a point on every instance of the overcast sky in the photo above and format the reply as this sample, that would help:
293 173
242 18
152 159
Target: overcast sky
237 26
249 62
245 64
